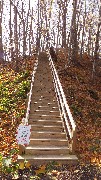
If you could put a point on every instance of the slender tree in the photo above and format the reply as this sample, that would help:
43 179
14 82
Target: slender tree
73 44
16 37
96 55
64 17
1 44
96 52
11 32
83 33
38 28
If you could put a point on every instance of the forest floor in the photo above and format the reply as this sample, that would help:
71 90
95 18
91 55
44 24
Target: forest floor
83 94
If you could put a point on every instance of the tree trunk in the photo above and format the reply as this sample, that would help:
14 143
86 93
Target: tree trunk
38 28
96 53
96 56
89 42
58 26
64 7
1 44
24 37
16 38
83 32
74 32
11 33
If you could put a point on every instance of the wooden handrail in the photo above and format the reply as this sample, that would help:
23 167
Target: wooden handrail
66 115
30 93
64 98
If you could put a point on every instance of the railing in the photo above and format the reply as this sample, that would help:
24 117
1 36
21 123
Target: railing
66 115
25 120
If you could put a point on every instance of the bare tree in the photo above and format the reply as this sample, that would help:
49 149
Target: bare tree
64 14
83 33
96 55
73 48
11 32
1 44
16 38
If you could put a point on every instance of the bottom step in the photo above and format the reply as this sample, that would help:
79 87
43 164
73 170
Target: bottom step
39 160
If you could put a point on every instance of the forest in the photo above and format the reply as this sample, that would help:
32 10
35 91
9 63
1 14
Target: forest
73 29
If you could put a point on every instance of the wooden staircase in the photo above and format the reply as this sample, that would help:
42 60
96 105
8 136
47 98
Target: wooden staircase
48 139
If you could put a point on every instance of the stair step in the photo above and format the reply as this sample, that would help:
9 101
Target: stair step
44 103
43 159
43 87
44 96
40 92
43 116
43 80
38 87
35 98
47 128
47 107
46 112
45 122
48 100
43 91
40 103
43 76
47 150
38 83
48 142
44 72
47 134
44 108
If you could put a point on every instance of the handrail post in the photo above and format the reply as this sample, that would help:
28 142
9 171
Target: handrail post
73 143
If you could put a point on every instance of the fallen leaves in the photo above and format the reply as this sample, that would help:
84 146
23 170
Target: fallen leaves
13 97
21 165
83 97
41 170
76 83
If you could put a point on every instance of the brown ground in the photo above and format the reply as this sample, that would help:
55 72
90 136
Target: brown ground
83 95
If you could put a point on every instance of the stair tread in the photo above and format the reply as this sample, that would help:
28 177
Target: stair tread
48 139
37 110
44 95
47 112
45 115
40 102
54 157
44 120
36 125
45 123
47 106
49 132
51 147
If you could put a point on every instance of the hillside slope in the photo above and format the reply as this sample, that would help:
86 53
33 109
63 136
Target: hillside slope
84 98
14 87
